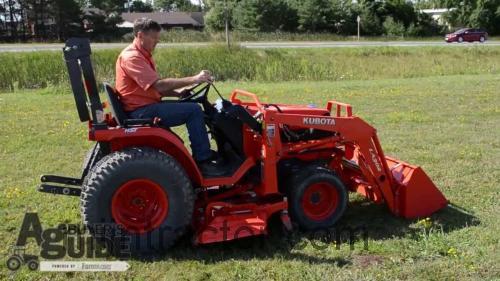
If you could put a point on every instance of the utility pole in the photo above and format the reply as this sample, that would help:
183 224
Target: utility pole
358 19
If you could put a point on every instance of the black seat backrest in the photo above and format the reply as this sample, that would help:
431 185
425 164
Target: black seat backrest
83 83
115 104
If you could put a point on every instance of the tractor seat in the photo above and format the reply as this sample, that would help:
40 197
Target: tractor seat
118 112
121 117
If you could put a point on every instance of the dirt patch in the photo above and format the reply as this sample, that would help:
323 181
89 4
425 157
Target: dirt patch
367 260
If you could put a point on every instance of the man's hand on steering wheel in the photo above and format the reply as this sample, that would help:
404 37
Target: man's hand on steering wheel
202 77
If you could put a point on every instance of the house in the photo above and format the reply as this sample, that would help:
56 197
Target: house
437 15
167 20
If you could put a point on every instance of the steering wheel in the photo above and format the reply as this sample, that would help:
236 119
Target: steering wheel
196 96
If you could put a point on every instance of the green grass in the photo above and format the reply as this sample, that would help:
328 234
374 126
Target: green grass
449 125
41 69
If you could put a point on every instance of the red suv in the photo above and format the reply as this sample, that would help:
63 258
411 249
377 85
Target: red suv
467 34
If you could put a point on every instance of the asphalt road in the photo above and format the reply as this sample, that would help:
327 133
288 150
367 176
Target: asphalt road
255 45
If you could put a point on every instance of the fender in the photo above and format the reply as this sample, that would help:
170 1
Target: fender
158 138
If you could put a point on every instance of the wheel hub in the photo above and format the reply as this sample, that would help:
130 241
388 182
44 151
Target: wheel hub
319 201
139 205
315 198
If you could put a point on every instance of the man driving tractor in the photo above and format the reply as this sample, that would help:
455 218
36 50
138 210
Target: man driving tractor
140 89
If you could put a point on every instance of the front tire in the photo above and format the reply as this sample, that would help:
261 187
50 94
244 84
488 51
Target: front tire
33 265
318 198
143 192
460 39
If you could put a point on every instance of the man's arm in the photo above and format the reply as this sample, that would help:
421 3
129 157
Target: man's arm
167 86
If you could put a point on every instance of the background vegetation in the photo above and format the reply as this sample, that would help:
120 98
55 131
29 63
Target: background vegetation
97 19
41 69
389 17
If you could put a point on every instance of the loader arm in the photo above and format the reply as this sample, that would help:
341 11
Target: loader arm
405 189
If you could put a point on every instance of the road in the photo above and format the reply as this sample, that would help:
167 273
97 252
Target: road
255 45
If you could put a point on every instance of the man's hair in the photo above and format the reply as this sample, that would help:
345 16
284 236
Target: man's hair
145 25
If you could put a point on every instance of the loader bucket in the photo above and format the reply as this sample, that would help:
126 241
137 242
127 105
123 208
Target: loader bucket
416 194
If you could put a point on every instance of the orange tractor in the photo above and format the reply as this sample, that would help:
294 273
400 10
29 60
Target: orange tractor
294 161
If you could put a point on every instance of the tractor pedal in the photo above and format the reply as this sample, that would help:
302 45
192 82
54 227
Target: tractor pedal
61 190
61 180
285 219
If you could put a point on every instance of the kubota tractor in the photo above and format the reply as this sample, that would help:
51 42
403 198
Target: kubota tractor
294 161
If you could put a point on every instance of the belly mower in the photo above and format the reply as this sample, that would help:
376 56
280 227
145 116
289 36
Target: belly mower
292 161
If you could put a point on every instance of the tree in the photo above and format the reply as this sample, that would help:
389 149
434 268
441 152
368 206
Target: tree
344 17
400 10
139 6
68 18
371 23
425 25
2 27
265 15
218 12
104 22
393 28
109 6
176 5
474 13
315 15
12 12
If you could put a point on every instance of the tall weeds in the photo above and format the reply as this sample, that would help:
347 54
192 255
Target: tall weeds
42 69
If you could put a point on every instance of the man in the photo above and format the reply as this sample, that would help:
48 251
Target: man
141 89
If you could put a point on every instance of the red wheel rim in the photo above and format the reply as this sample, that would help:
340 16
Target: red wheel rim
319 201
139 205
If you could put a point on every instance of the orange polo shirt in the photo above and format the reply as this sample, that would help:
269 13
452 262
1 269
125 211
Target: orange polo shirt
135 76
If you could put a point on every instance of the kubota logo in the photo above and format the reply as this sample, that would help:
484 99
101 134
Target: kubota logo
319 121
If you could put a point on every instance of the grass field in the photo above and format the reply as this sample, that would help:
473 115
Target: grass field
447 124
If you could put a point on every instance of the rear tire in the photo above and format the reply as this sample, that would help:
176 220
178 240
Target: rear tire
318 198
13 263
481 39
141 192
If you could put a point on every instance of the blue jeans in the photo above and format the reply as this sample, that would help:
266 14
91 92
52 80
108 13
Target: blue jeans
176 114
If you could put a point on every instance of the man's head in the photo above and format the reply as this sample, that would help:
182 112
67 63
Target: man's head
147 32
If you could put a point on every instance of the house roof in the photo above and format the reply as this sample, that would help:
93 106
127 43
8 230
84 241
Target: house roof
199 17
167 18
93 11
